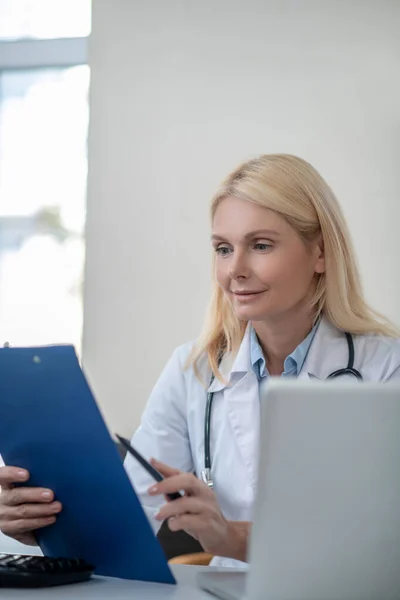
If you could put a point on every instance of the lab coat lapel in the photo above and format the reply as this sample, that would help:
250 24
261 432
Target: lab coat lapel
328 352
243 405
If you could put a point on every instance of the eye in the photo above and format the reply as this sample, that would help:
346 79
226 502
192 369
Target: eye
262 246
222 250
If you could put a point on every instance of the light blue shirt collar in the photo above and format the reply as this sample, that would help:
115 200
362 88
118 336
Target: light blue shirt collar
293 363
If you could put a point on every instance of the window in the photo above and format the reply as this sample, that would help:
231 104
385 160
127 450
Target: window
43 165
44 19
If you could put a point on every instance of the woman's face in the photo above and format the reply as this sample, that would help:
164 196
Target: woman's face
263 266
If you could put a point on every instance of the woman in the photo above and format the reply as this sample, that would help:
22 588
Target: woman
286 291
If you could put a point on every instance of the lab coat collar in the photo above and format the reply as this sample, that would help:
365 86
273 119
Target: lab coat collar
327 353
232 367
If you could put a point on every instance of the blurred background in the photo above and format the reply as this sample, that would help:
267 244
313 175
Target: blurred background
117 122
44 83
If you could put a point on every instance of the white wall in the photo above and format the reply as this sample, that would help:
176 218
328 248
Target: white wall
181 92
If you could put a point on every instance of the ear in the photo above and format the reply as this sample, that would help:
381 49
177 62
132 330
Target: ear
320 257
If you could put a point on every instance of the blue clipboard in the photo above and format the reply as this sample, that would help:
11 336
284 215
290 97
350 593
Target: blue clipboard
50 424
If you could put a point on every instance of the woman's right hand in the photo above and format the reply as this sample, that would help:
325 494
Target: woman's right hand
24 509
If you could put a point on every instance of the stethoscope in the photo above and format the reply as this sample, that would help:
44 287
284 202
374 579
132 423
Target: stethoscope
206 473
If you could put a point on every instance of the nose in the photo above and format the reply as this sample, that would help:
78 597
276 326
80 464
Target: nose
238 268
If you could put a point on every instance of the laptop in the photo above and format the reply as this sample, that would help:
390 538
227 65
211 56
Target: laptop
327 510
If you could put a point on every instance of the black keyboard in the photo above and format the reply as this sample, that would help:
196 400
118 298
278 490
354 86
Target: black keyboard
18 570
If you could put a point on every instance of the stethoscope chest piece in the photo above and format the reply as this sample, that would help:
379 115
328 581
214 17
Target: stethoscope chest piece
206 477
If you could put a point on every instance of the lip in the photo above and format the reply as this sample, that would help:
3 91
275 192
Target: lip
244 295
247 292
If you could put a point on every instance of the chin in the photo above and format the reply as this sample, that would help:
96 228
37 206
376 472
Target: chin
248 314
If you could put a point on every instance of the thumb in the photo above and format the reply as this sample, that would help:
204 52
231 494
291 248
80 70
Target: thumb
164 469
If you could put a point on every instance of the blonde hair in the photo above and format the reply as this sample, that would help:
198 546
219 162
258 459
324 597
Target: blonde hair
291 187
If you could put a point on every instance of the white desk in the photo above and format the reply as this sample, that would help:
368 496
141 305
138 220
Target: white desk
117 589
10 546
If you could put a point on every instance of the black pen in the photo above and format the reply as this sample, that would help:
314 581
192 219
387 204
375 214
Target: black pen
146 465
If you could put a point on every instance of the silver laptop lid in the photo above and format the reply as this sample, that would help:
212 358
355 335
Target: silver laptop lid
327 514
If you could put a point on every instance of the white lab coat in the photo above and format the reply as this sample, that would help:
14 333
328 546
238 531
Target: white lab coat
172 426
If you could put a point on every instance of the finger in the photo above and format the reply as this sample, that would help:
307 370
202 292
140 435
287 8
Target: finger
6 486
194 524
13 528
184 481
22 495
164 469
188 504
30 511
9 475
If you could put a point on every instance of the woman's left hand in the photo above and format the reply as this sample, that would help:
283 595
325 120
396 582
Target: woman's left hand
197 512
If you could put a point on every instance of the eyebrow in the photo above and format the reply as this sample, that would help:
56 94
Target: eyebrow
251 234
